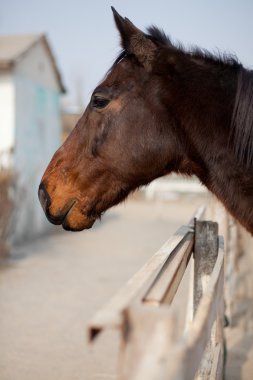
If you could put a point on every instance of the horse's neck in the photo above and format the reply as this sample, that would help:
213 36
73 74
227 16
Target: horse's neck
233 186
230 173
206 117
242 122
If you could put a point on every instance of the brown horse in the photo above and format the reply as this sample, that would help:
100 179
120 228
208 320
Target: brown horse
160 109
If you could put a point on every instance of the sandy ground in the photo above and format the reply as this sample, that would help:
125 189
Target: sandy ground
50 288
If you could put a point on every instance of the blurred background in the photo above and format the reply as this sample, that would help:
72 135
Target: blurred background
52 55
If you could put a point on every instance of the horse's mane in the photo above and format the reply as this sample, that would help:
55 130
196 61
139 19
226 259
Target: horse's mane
242 120
159 37
241 131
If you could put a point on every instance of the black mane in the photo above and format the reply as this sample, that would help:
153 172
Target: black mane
241 135
159 36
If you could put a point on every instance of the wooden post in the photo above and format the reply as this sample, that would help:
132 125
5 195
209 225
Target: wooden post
205 256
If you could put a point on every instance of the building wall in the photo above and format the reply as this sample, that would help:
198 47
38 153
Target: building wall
7 111
37 136
36 65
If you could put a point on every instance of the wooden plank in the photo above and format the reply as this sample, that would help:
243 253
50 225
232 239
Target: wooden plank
146 341
146 356
168 279
189 309
111 314
198 335
218 359
217 365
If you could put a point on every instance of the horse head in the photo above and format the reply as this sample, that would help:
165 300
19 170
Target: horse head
121 141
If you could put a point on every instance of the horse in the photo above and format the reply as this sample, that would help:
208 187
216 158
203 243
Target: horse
161 108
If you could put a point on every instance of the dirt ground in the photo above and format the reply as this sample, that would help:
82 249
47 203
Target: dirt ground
50 288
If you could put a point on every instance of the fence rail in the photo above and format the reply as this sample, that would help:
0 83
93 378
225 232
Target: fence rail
152 348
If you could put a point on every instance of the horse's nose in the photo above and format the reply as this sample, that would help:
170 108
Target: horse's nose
44 197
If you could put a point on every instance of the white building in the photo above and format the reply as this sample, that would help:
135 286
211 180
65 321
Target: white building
30 89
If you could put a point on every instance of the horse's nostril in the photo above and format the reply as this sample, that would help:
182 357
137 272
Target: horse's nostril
44 197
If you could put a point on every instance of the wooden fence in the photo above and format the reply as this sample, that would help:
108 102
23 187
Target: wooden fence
153 347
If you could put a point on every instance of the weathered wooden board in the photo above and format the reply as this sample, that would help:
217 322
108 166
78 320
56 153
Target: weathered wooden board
191 350
156 358
151 350
147 336
167 281
217 365
111 314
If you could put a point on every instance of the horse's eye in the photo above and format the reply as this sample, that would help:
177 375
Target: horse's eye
99 101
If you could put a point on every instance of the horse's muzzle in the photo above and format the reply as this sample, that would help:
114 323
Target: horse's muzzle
64 214
44 198
45 202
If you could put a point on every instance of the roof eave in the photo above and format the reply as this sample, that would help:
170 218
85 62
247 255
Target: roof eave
56 70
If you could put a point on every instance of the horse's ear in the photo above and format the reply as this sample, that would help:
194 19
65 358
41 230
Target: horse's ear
134 41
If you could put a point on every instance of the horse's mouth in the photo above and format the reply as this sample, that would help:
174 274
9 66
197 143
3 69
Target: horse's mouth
75 215
60 218
71 223
75 228
90 215
88 219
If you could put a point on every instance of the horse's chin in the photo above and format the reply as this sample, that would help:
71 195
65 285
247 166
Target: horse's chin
75 227
78 220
